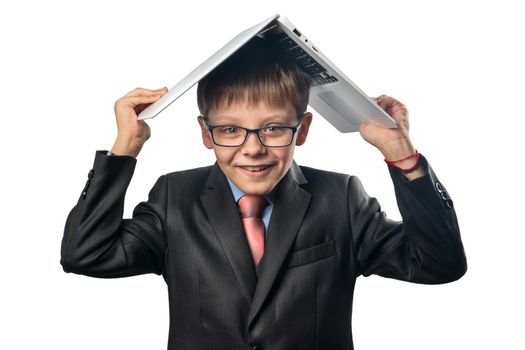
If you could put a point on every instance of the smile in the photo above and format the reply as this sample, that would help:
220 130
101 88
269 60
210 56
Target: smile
257 168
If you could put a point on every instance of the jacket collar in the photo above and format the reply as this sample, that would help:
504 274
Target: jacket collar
291 204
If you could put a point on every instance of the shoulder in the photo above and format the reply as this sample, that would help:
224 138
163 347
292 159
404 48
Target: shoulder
194 173
188 180
315 175
336 187
325 180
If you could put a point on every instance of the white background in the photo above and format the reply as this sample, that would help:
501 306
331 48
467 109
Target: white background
457 65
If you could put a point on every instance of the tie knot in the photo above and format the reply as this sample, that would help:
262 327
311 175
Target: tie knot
251 206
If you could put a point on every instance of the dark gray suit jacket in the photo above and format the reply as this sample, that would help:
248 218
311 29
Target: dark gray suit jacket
324 232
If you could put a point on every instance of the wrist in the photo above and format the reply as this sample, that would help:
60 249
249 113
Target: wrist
398 149
126 147
407 164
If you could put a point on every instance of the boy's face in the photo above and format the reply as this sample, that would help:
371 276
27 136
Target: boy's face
254 168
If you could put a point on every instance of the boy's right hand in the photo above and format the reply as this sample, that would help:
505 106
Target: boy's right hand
132 132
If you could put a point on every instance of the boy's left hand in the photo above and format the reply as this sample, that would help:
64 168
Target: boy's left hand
395 144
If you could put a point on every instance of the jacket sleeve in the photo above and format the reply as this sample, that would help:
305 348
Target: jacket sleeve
425 248
97 241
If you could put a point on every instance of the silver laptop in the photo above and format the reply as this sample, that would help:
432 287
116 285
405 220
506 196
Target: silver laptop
333 95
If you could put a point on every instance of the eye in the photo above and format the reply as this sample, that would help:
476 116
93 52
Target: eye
274 129
229 129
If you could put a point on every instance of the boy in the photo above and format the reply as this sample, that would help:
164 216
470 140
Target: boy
282 276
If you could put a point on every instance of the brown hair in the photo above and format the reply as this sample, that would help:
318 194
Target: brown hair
257 72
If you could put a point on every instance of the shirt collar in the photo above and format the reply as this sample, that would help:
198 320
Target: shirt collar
237 193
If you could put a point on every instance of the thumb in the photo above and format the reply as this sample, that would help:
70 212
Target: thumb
362 128
370 132
365 129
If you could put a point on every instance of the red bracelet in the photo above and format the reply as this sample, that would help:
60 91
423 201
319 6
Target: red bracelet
406 171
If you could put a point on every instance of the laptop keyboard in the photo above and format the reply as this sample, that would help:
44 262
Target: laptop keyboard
318 73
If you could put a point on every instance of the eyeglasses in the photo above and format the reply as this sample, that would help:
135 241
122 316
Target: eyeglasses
236 136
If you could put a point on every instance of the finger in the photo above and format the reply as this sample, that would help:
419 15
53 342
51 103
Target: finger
141 91
386 100
132 101
136 100
381 98
392 106
398 109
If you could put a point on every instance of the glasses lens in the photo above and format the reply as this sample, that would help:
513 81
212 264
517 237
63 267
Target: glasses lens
229 135
276 136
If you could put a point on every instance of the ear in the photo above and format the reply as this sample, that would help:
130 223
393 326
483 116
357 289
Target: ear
302 133
206 137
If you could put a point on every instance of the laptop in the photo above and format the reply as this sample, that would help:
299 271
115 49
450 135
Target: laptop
333 95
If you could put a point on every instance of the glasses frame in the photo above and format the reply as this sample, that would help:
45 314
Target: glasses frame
256 131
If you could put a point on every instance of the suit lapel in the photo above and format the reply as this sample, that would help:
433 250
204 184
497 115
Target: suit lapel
222 212
291 203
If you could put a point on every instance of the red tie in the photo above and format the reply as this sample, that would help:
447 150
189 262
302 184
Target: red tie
251 209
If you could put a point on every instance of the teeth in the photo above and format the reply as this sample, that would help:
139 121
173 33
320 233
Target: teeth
255 168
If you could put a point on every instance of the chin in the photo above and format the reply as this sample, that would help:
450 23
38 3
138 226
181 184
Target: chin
258 189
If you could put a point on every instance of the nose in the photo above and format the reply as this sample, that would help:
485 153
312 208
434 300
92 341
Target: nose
252 146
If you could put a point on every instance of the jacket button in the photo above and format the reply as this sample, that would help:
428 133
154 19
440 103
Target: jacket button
444 195
84 191
90 174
